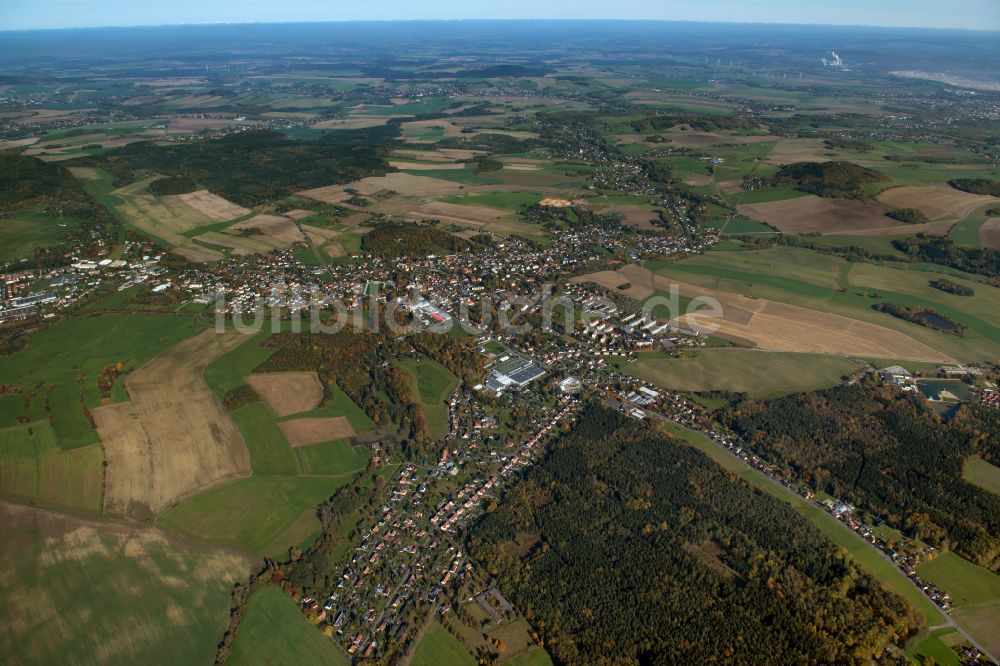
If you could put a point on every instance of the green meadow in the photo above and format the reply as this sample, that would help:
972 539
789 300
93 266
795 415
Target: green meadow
273 631
264 514
57 372
760 374
77 592
432 384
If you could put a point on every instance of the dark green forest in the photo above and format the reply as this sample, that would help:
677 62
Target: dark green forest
252 168
27 181
829 179
935 250
407 239
624 546
977 186
889 454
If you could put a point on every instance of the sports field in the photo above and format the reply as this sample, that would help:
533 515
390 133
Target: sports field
432 384
273 631
760 374
156 602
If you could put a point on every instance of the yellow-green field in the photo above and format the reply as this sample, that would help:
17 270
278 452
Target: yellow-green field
975 592
983 474
264 514
88 592
760 374
273 631
834 285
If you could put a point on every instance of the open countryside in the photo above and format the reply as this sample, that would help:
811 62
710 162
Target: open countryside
525 342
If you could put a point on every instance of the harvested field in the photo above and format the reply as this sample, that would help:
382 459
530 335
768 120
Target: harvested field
460 213
634 216
288 392
174 437
612 280
302 432
440 154
425 166
789 151
353 122
523 167
240 245
298 214
415 129
989 234
783 327
702 140
942 228
17 143
198 255
213 206
182 125
407 184
195 100
85 173
813 214
281 229
166 218
939 201
701 181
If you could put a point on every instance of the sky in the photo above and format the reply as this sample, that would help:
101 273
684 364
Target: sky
35 14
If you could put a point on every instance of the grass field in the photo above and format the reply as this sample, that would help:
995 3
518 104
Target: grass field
34 469
975 592
264 514
866 556
61 365
273 631
933 647
269 450
760 374
229 371
433 384
830 284
535 656
439 647
983 474
341 405
26 230
333 458
79 592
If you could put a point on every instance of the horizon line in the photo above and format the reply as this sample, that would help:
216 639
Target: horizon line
195 24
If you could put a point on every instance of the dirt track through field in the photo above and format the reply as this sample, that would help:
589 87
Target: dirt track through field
173 438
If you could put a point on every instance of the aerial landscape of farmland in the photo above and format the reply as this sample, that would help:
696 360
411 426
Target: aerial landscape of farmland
517 342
